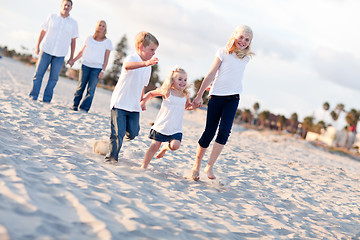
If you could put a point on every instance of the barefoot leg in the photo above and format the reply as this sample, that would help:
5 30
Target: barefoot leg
199 156
162 151
154 147
173 145
209 171
216 150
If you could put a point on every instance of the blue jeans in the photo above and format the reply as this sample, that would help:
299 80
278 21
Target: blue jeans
90 77
122 122
55 69
221 109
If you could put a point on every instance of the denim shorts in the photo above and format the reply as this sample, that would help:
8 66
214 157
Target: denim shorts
164 138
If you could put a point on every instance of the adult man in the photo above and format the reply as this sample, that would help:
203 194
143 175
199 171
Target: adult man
58 31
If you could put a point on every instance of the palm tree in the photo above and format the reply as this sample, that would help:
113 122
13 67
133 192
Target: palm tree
246 116
197 85
238 116
336 112
333 115
307 125
263 117
317 127
352 118
256 108
340 108
281 122
293 120
326 107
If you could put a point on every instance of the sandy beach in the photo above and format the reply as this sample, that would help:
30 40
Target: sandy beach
53 186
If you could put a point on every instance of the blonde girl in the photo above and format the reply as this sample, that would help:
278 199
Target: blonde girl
95 54
226 73
168 123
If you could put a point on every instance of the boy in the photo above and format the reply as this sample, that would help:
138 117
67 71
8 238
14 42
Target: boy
129 90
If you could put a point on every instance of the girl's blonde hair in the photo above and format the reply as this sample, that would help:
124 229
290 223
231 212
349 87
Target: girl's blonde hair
230 46
97 33
169 81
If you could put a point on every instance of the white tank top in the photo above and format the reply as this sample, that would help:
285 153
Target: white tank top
170 117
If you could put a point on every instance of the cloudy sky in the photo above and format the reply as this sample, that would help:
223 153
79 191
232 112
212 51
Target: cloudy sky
307 51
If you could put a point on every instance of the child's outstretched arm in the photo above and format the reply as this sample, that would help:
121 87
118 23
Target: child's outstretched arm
148 96
197 101
135 65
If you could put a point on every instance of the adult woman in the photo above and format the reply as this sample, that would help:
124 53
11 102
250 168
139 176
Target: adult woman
95 54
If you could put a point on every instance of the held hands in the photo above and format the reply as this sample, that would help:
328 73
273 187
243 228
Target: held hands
71 62
151 62
190 106
143 105
101 75
197 102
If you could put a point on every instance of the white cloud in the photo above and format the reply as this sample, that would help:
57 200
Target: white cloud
339 67
22 35
270 45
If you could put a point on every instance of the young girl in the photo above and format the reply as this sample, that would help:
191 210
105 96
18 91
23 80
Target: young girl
168 123
95 53
227 72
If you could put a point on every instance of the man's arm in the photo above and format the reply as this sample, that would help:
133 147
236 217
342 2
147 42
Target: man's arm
41 37
72 48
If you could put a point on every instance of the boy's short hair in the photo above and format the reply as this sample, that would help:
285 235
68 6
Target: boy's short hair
145 38
68 1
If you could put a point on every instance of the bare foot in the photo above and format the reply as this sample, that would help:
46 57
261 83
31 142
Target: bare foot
195 175
161 153
111 160
209 172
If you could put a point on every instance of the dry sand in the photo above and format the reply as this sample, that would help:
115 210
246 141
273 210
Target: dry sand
52 185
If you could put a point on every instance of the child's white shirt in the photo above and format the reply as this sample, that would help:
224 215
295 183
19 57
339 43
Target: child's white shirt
170 117
128 90
228 79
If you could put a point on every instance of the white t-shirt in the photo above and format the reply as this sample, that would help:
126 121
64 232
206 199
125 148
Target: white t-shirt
170 117
94 52
59 33
128 90
228 79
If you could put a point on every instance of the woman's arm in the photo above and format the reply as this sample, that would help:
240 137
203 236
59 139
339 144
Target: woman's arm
78 56
106 59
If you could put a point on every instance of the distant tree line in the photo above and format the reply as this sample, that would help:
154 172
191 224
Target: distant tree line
23 57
